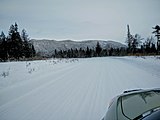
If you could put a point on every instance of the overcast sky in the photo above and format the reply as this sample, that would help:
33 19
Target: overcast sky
80 19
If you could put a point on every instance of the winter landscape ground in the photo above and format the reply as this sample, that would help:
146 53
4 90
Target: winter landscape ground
71 89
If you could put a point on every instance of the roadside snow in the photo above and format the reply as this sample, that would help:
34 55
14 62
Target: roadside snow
71 89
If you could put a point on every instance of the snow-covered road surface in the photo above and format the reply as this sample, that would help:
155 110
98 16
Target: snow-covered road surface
71 89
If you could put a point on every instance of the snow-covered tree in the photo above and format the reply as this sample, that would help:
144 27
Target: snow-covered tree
157 34
136 41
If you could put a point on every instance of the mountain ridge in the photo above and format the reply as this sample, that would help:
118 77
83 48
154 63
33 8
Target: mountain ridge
46 47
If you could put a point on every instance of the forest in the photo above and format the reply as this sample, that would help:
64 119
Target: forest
17 46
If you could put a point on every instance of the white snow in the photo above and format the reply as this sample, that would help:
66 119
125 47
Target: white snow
71 89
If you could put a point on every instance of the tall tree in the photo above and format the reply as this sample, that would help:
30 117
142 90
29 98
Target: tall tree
3 50
129 39
157 34
14 42
33 51
26 46
88 52
24 35
98 49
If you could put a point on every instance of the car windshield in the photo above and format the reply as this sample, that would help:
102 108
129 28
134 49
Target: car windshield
136 104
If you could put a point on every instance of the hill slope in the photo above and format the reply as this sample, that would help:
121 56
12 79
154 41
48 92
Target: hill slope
47 47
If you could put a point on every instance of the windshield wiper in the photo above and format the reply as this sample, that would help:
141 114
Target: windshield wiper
146 113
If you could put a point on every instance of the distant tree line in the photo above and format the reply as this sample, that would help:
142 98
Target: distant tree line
98 51
15 46
134 43
148 47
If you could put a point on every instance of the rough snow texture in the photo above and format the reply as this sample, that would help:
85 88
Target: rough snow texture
47 47
71 89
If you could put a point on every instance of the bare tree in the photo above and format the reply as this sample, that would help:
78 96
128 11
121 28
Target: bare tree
129 39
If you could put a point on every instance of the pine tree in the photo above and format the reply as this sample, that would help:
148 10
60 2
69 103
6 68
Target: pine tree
3 50
111 51
33 51
157 34
147 45
55 53
129 39
26 46
88 52
153 48
98 49
14 43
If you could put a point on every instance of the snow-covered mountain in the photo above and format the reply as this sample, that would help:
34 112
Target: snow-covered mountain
47 47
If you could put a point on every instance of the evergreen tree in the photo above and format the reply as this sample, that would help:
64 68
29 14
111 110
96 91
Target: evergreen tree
98 49
157 34
129 39
147 45
111 51
33 51
69 53
76 52
15 46
55 53
3 50
153 48
88 52
81 53
27 48
72 53
14 43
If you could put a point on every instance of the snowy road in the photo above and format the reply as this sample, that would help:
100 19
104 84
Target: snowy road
78 90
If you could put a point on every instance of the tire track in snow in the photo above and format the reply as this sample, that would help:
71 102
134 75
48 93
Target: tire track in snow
20 100
81 93
39 83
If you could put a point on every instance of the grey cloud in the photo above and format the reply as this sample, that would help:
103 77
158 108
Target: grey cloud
81 19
